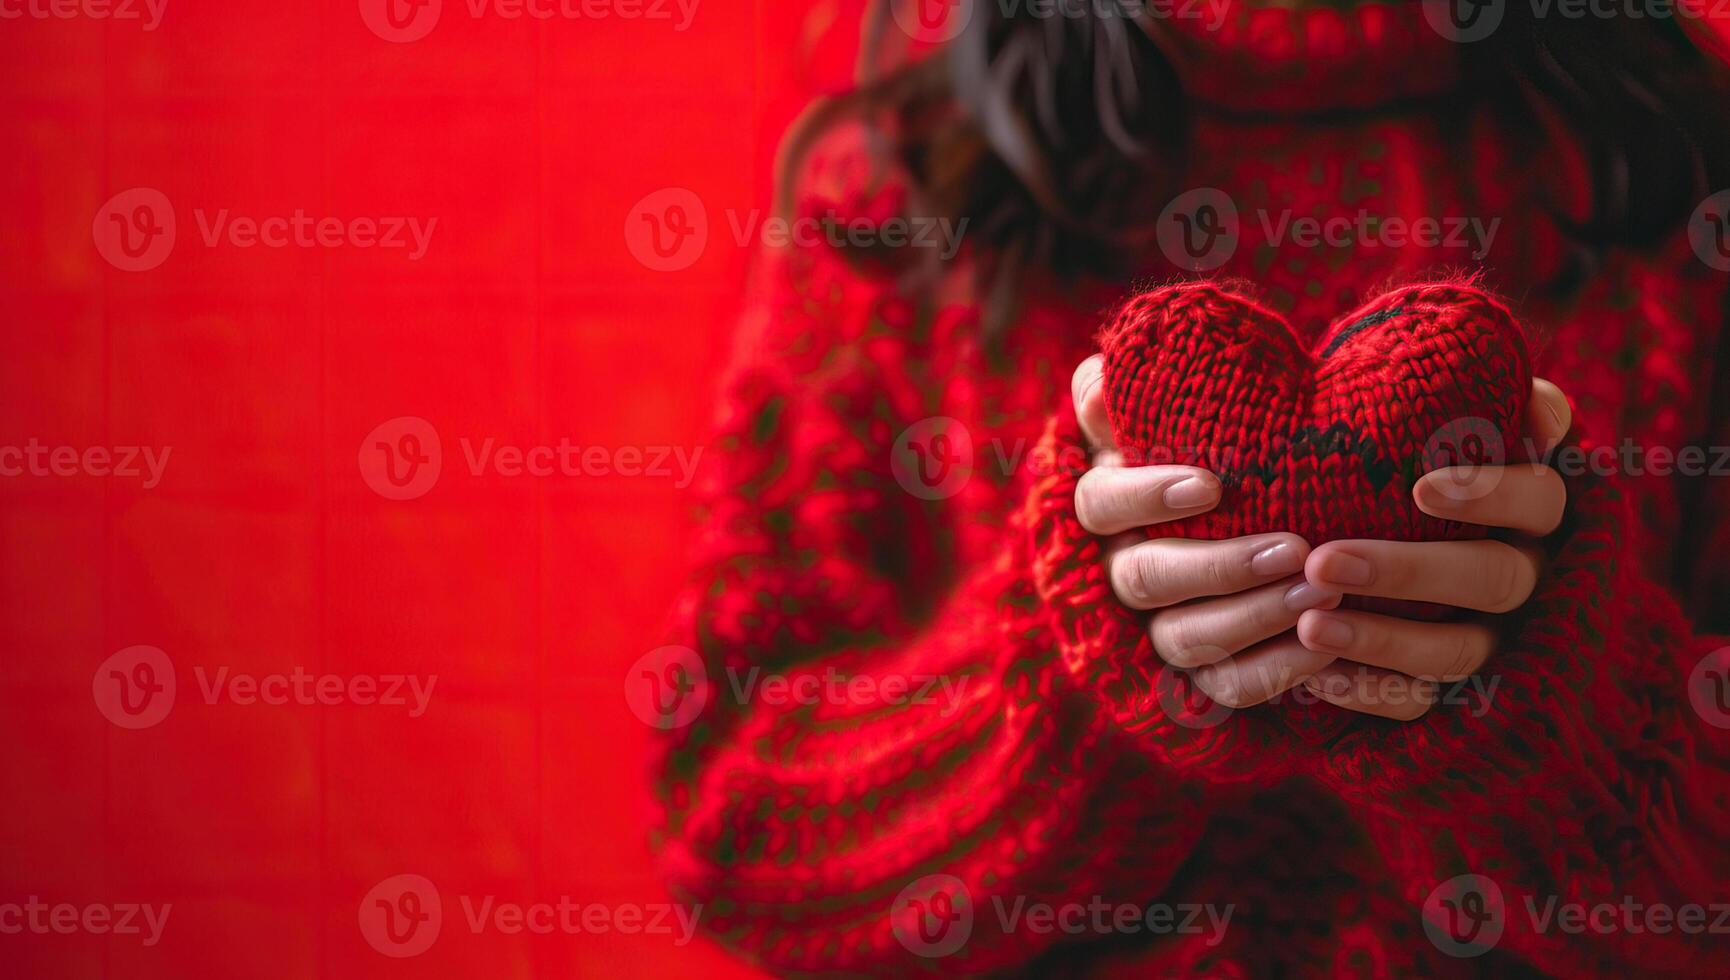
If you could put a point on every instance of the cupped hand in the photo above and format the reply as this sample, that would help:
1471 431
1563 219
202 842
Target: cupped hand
1390 666
1225 608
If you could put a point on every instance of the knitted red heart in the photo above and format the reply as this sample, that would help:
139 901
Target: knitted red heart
1324 443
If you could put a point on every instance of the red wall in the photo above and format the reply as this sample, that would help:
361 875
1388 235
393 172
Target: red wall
264 549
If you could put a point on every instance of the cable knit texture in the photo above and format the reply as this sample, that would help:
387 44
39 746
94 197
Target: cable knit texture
1016 744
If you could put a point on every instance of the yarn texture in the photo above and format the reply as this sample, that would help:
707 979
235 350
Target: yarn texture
1051 761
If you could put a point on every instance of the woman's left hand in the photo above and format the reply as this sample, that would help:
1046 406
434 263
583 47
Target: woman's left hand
1391 667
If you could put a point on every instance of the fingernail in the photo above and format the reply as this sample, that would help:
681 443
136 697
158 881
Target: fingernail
1331 632
1191 492
1306 596
1341 568
1281 559
1428 496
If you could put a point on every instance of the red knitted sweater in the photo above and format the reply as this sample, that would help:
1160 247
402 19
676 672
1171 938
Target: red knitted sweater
915 719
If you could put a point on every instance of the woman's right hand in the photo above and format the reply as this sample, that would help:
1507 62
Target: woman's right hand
1225 609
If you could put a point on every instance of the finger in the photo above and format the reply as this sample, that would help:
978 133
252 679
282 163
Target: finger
1153 574
1260 672
1087 387
1109 499
1529 499
1548 416
1207 631
1489 576
1373 691
1435 651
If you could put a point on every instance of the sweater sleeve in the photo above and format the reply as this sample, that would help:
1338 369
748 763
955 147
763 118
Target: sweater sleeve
1568 806
898 743
884 746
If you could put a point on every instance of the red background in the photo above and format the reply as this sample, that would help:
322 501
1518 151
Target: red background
262 369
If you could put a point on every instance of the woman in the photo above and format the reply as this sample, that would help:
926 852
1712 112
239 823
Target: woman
1001 775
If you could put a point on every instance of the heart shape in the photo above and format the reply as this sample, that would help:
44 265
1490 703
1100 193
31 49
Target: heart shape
1324 442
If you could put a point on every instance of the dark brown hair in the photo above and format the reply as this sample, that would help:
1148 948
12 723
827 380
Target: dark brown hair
1054 136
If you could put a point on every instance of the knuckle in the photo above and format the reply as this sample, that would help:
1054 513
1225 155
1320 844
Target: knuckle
1177 640
1502 577
1228 692
1556 490
1266 618
1083 378
1087 491
1155 569
1219 573
1465 654
1134 575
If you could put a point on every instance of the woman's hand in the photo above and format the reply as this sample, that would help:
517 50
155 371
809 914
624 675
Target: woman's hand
1227 608
1390 666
